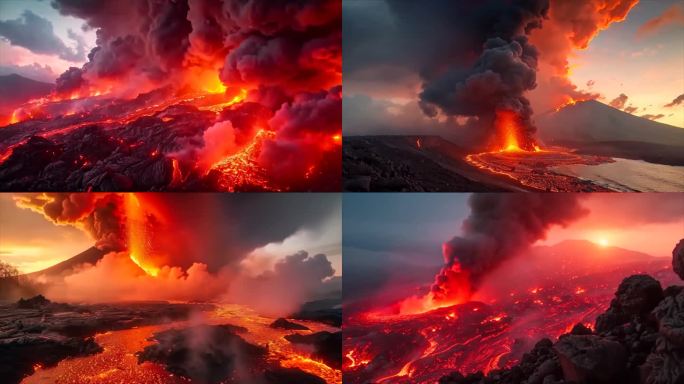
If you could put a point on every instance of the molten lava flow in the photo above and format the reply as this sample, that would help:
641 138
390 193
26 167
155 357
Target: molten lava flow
474 336
138 242
117 363
241 168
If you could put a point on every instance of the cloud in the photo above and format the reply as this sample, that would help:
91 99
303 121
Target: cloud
631 109
674 15
677 101
619 102
653 117
37 34
32 71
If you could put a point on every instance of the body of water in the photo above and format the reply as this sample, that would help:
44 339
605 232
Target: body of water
629 175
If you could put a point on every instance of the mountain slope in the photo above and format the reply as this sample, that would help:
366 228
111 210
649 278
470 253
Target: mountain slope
89 256
16 90
592 121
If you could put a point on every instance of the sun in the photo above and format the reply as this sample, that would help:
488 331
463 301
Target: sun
603 242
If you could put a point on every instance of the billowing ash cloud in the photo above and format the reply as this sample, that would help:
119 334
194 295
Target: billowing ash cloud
477 59
194 242
99 214
286 55
37 34
499 227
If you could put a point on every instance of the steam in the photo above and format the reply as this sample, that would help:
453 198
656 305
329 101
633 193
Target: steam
187 248
292 280
500 226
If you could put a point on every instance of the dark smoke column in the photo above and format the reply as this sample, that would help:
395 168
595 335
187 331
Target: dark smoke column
475 58
500 226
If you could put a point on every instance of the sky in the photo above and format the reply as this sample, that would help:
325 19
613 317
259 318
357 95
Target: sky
31 242
387 234
39 45
382 78
647 67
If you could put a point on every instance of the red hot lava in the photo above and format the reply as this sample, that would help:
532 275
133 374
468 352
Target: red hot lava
509 133
490 333
256 87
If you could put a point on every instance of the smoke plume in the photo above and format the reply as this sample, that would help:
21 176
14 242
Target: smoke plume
282 54
570 26
99 214
188 247
483 63
500 226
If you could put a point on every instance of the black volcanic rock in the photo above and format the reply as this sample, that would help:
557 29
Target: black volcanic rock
327 346
678 259
18 356
206 353
630 346
637 295
285 324
591 359
666 362
326 311
35 302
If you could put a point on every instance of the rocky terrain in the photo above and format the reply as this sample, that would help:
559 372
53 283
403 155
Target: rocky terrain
327 346
638 340
216 353
39 333
326 311
285 324
409 164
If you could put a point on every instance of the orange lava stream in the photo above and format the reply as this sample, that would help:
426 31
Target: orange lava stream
241 168
118 363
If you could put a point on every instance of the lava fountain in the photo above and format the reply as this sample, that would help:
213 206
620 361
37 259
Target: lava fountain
138 231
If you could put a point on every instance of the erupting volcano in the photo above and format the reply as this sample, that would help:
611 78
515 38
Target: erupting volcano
464 96
188 95
177 288
497 297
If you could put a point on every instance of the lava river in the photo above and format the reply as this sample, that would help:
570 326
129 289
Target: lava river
480 335
119 364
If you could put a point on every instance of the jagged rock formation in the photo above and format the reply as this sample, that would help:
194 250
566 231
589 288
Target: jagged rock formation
638 340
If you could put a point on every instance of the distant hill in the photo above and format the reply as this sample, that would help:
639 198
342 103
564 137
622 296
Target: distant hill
89 256
594 127
594 121
16 90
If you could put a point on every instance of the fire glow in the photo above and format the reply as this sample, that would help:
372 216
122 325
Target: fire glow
118 363
473 336
164 101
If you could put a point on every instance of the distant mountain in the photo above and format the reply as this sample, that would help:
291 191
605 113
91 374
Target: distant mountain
16 90
594 121
585 251
89 256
